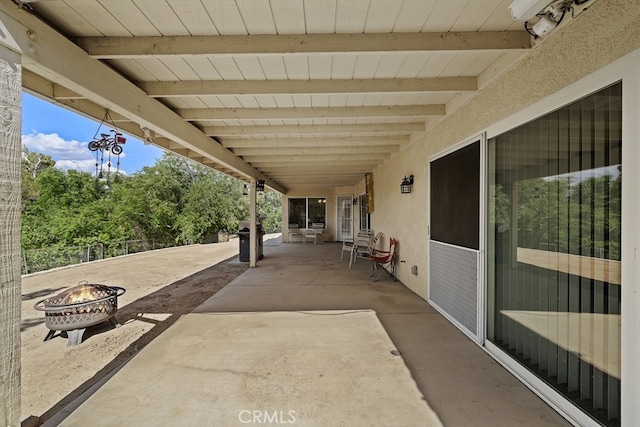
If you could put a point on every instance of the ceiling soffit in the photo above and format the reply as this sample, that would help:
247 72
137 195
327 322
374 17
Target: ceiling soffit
298 93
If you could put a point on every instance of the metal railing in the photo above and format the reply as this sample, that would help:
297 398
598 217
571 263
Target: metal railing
34 260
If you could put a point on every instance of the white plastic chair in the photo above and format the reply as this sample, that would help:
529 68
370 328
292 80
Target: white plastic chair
365 248
310 234
318 228
294 232
361 245
347 246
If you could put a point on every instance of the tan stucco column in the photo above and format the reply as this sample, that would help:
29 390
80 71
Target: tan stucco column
253 247
10 158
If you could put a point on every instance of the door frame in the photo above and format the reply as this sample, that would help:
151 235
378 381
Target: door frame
481 138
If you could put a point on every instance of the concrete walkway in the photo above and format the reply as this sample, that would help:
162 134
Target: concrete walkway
460 382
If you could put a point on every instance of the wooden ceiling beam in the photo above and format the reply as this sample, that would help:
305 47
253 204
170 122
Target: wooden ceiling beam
269 44
285 174
351 141
209 114
394 128
312 151
328 158
167 89
327 165
322 170
49 54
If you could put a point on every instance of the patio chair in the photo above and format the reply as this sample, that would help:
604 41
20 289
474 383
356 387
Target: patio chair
318 229
295 232
348 245
310 234
364 246
384 262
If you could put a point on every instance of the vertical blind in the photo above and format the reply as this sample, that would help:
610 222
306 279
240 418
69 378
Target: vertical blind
554 249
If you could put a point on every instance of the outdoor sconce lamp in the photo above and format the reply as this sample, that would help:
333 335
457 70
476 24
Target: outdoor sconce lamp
407 184
260 185
245 190
355 201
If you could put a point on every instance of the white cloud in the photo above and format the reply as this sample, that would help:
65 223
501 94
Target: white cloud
55 146
79 165
579 176
67 154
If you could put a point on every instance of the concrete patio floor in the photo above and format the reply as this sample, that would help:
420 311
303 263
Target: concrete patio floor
460 382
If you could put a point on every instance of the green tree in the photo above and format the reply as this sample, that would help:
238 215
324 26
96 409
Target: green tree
32 164
55 216
569 215
213 203
269 206
175 201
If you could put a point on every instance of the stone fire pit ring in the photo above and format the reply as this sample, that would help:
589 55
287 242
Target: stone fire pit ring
79 307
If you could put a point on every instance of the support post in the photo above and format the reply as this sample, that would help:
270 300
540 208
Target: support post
253 241
10 160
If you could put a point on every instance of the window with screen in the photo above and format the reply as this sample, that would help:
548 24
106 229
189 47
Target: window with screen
455 197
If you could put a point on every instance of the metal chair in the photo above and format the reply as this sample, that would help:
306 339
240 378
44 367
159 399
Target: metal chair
364 245
384 262
350 245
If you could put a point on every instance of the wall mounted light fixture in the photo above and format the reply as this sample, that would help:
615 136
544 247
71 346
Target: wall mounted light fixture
245 190
260 185
406 185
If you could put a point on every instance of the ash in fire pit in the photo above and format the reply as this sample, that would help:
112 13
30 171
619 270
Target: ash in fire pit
77 308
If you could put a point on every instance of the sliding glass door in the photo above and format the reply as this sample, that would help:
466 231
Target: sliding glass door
307 211
554 250
455 279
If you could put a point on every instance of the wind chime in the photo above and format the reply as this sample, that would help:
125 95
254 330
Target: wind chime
111 143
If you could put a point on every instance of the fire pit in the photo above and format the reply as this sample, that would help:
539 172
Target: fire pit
79 307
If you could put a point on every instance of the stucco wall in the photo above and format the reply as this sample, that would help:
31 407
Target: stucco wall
320 192
331 194
602 34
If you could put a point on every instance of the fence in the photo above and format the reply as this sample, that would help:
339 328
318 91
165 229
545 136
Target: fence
34 260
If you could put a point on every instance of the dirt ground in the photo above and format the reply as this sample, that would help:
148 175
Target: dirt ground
160 286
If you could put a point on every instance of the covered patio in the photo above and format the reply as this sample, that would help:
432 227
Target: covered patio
459 382
482 113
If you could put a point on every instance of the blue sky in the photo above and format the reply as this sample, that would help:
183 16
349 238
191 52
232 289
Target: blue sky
63 135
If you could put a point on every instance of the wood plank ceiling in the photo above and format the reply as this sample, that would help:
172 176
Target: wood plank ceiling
306 92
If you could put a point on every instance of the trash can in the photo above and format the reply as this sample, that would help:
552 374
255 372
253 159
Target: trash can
245 244
244 236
